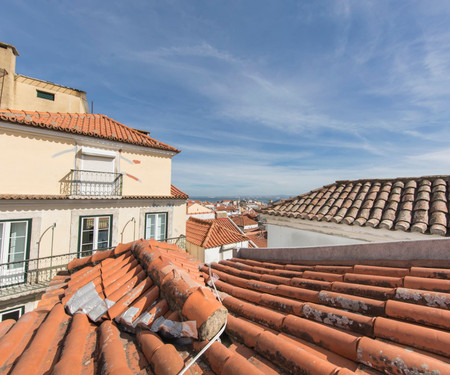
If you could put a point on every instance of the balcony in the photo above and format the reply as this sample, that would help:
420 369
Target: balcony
94 184
31 275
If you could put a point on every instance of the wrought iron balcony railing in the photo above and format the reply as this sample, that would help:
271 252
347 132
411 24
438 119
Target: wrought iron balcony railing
30 275
95 184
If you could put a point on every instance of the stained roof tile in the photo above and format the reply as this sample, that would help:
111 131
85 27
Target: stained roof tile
352 320
276 324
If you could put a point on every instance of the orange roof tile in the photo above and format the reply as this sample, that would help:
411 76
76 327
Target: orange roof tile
96 318
285 317
175 193
346 319
416 204
243 220
92 125
212 233
259 238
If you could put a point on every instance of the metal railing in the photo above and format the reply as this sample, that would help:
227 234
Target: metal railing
95 184
17 278
180 241
31 275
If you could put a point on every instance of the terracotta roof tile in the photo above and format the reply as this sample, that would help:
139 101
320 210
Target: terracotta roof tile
174 194
97 319
342 316
92 125
276 324
416 204
212 233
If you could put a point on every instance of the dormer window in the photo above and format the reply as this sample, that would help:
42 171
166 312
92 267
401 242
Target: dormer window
45 95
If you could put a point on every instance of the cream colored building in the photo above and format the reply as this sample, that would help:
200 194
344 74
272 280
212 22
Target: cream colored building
75 183
31 94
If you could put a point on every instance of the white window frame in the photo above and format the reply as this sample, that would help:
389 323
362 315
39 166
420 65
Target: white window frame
156 220
95 233
9 275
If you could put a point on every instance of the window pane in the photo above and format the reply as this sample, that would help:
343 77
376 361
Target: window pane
103 223
88 237
18 229
150 226
88 223
102 245
103 235
161 226
45 95
17 242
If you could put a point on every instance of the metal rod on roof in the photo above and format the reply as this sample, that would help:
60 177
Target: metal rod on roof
92 106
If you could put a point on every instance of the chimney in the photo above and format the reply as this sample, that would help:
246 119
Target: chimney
8 55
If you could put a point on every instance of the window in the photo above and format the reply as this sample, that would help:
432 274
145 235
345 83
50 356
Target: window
95 233
14 246
96 176
156 226
15 313
45 95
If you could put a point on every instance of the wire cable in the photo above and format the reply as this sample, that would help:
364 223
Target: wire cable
214 339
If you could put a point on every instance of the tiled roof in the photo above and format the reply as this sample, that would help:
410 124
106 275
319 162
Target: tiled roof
175 194
92 125
212 233
334 319
243 220
259 238
416 204
96 318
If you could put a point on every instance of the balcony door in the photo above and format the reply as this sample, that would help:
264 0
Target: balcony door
97 172
14 241
156 226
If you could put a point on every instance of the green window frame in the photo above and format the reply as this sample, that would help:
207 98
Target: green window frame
156 225
93 234
45 95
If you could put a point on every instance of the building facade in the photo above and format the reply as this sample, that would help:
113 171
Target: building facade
31 94
77 183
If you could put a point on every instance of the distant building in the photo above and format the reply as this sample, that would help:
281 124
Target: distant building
245 223
31 94
213 240
350 212
195 209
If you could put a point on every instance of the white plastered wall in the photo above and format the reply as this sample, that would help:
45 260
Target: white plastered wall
66 215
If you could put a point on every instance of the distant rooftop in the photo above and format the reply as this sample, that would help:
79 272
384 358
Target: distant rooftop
409 204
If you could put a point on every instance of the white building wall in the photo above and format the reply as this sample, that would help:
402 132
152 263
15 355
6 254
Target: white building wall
279 236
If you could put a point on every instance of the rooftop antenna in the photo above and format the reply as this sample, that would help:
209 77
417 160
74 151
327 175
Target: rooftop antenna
92 106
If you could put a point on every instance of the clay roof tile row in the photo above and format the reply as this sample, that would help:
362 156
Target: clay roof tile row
96 317
92 125
414 204
367 318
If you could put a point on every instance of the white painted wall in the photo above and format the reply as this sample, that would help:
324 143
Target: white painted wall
215 254
279 236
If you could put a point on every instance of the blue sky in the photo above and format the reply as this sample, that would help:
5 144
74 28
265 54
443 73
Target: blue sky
262 97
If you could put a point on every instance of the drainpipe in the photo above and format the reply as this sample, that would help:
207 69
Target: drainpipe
134 229
52 227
